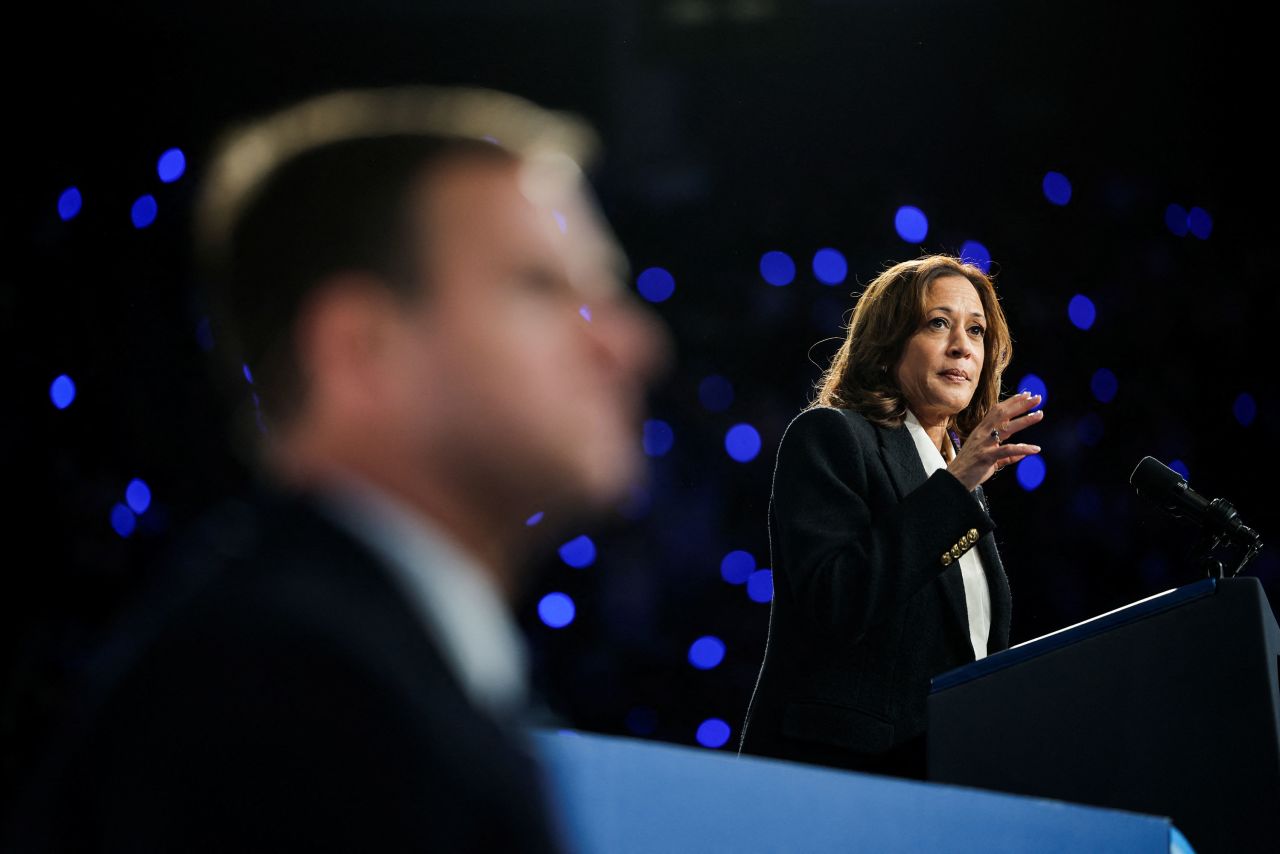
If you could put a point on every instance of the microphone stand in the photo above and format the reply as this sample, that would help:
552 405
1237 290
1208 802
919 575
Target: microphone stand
1203 555
1248 556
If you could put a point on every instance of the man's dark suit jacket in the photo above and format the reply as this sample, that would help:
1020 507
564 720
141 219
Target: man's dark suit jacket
284 696
866 610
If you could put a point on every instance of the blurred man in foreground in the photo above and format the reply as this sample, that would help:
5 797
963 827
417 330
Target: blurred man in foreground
430 314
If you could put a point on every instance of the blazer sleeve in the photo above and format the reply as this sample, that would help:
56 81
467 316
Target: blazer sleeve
848 569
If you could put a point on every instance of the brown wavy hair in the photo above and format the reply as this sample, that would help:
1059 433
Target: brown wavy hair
861 375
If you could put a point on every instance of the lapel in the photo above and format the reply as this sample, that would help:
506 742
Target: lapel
998 583
902 461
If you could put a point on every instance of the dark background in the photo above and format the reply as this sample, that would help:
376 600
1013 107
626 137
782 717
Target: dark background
731 129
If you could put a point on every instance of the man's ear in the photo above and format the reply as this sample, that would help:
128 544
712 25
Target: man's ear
341 338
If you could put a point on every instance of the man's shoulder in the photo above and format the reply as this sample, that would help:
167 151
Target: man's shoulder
258 541
267 568
276 531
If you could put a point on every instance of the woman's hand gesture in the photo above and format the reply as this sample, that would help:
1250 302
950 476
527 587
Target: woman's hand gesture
986 450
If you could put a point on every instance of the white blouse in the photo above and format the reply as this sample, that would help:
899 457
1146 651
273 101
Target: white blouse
977 595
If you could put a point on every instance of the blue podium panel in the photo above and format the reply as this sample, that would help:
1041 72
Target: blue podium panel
623 796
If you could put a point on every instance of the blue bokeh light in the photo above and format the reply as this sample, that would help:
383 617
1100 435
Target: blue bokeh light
742 441
144 211
1245 409
1031 473
760 586
656 284
171 165
69 203
579 553
736 567
1035 385
1082 311
777 268
911 223
716 393
830 266
123 522
1056 187
1199 222
1089 429
556 610
973 252
713 733
138 496
248 374
1175 218
585 311
62 391
642 720
1104 385
534 519
1181 468
658 437
706 652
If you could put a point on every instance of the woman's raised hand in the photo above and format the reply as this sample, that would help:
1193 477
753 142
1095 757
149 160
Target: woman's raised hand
987 449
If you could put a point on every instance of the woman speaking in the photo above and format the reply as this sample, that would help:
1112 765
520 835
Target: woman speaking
885 569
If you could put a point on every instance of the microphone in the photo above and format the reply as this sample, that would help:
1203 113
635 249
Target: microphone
1158 483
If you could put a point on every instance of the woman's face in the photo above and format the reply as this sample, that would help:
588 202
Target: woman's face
942 361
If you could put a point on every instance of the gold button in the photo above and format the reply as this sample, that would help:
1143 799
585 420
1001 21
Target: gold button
956 551
946 559
970 539
973 534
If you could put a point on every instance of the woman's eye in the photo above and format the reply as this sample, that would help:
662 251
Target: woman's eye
938 322
977 330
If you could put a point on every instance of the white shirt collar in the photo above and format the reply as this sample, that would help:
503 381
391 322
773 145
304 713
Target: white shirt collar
930 454
454 598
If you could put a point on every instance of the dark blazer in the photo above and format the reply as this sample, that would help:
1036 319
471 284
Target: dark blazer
281 695
868 601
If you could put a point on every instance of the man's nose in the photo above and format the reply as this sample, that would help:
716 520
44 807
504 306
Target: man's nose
632 339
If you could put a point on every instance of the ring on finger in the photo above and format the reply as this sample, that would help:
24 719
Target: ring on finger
996 434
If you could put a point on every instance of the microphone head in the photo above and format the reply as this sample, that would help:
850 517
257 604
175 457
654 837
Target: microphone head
1152 477
1164 487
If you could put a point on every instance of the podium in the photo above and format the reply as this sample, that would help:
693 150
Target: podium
615 795
1168 706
